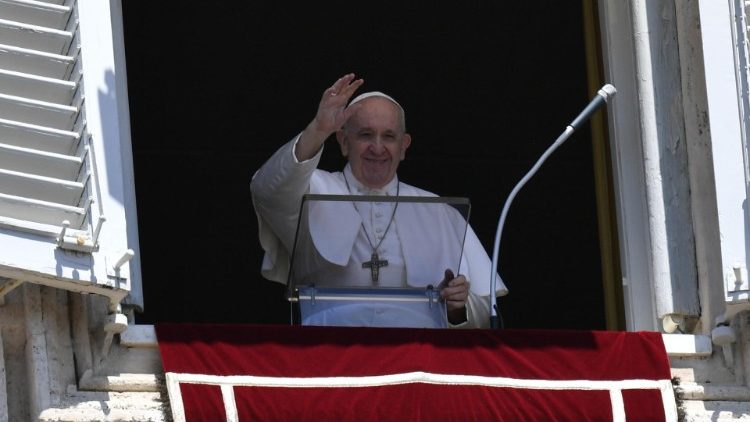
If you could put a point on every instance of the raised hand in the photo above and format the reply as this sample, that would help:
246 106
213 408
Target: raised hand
332 110
332 114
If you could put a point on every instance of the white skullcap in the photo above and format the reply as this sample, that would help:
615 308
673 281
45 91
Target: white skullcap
366 95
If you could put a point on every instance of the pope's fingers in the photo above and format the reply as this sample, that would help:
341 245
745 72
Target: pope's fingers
335 99
344 86
349 89
461 296
457 281
457 291
344 80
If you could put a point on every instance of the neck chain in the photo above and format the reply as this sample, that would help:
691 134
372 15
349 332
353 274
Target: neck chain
375 262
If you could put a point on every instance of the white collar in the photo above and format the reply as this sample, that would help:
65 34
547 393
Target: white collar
357 188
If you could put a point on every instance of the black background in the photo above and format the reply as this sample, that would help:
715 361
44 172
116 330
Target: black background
215 88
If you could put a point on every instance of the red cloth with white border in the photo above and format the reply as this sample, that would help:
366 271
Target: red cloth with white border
345 373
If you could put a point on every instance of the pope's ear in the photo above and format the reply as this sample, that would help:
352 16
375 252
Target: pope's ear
405 145
342 142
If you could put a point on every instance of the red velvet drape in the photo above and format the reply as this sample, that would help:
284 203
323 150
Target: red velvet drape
593 361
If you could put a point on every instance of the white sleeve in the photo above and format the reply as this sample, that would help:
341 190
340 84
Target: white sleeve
277 189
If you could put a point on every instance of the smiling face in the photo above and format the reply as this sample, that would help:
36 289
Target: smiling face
374 141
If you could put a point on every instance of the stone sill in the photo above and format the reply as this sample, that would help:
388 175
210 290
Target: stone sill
703 392
688 345
677 345
139 336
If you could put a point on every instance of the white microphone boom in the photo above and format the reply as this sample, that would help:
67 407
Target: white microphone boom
601 97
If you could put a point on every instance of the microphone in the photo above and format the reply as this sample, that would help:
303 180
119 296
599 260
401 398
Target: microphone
601 97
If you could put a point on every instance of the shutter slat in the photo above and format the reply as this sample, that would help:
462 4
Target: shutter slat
47 230
40 211
40 113
37 137
35 62
34 37
40 187
35 12
58 2
44 163
36 87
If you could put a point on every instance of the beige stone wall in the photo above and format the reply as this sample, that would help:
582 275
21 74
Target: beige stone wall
53 366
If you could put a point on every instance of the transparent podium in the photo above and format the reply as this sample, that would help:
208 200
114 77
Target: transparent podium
375 260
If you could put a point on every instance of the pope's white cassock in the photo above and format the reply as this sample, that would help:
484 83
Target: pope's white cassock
419 244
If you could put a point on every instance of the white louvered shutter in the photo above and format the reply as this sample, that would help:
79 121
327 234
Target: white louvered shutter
67 207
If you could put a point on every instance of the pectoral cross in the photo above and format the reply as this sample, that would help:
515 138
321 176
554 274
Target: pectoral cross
374 265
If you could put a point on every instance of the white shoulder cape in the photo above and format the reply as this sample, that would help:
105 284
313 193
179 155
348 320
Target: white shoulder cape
414 222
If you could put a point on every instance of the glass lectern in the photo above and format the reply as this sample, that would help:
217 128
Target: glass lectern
375 260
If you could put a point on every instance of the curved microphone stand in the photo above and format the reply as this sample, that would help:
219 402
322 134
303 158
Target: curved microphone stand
599 100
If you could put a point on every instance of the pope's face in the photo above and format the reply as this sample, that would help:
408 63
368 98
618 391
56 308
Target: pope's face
374 142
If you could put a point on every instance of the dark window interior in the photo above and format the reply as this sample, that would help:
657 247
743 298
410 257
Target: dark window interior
487 86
